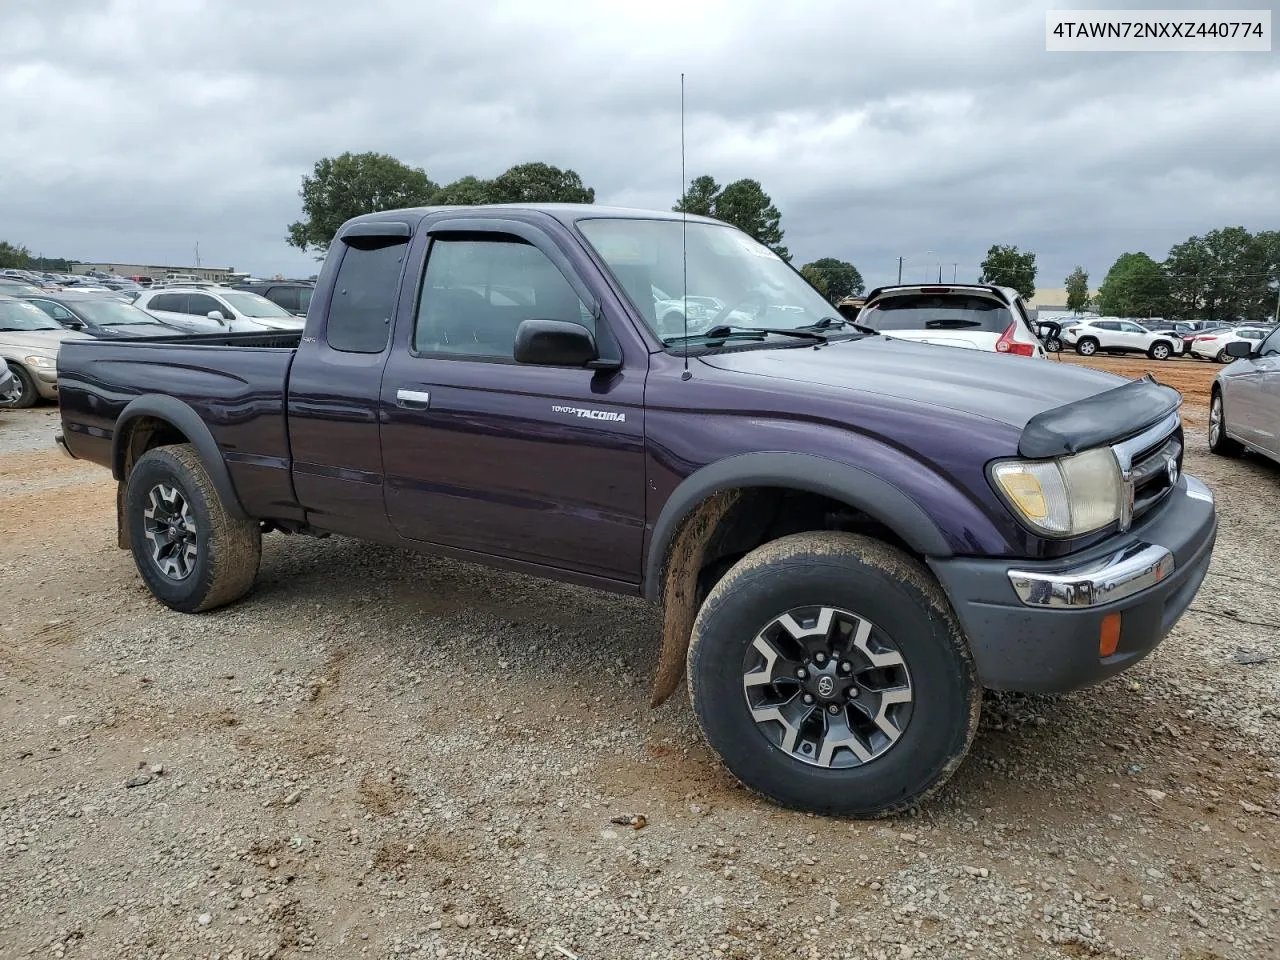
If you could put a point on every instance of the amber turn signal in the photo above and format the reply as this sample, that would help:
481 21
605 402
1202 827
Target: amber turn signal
1109 635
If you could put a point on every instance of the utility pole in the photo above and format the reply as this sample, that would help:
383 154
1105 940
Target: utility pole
954 268
900 269
197 253
939 273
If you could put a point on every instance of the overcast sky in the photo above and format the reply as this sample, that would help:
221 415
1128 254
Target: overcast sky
134 128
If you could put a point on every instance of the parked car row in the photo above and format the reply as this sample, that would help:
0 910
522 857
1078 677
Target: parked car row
35 320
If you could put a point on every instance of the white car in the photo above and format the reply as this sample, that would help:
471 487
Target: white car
973 316
1213 344
1118 335
217 310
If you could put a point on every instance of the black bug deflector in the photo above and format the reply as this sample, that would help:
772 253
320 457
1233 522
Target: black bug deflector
1101 419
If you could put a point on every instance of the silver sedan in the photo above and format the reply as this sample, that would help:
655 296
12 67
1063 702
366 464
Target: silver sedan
1244 410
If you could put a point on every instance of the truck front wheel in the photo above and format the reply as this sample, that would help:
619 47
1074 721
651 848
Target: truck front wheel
192 554
829 673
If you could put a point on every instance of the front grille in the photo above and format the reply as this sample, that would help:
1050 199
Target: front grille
1155 472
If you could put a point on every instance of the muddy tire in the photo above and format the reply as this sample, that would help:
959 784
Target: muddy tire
192 554
829 673
1087 347
1219 442
26 395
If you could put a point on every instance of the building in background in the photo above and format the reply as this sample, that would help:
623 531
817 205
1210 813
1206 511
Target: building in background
211 274
1054 300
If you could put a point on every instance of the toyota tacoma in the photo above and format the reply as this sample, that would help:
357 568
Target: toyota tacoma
850 535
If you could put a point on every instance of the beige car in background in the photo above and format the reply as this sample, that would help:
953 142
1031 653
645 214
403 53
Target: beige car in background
29 341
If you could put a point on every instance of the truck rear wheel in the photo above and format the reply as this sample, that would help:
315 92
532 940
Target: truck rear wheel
829 673
192 554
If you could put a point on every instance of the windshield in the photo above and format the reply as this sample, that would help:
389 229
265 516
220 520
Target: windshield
932 312
732 279
252 305
109 312
19 315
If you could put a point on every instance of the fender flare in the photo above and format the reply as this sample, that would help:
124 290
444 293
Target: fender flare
184 418
858 488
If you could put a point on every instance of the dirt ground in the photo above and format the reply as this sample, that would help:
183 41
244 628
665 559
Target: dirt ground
379 754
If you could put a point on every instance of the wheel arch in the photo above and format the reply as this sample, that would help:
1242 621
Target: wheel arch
154 420
733 505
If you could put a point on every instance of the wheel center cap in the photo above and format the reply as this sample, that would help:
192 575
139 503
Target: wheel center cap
825 683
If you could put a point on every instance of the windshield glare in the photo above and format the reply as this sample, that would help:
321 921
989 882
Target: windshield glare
108 312
932 312
732 279
19 315
252 305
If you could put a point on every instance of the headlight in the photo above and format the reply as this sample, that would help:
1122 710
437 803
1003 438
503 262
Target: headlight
44 363
1066 497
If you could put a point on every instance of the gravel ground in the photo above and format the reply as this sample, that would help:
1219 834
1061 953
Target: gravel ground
378 754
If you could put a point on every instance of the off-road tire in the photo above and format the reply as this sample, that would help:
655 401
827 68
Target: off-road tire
27 395
1219 442
228 549
879 583
1160 351
1087 346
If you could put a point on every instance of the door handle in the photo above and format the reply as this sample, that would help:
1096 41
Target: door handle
413 399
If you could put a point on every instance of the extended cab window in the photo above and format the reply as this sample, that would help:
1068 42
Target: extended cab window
364 296
479 289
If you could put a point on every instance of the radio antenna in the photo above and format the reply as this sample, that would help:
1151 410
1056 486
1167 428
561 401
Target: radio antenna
684 238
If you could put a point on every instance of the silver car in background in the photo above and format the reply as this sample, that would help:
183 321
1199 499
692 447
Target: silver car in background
1244 407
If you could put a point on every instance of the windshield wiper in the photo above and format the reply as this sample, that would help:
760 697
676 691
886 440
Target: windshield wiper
730 328
839 323
716 333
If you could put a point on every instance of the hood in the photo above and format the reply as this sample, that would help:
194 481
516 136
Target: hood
1005 389
37 341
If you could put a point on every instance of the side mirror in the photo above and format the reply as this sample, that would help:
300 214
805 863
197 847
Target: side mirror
555 343
216 315
1240 348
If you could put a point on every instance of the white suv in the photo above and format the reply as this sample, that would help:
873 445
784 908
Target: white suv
1212 345
217 310
973 316
1118 335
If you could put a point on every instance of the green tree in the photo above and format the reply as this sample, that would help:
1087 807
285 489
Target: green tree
1008 267
346 186
742 203
14 257
1077 283
700 198
1228 274
841 278
1135 286
465 192
817 279
539 183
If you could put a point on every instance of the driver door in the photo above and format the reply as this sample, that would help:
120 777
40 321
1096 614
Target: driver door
539 464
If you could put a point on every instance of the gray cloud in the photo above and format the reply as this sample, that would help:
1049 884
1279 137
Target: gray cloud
136 128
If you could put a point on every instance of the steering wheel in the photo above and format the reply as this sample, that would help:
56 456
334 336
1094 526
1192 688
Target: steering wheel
755 297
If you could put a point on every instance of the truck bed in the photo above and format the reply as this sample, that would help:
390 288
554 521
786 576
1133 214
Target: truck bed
235 383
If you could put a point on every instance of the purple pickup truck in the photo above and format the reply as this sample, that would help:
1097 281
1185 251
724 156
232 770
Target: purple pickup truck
850 535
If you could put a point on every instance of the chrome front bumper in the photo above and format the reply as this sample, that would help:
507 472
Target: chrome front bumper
1128 571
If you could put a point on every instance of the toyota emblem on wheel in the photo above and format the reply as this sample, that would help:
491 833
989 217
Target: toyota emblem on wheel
826 686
